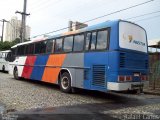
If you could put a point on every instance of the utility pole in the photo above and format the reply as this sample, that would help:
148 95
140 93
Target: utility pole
3 21
23 24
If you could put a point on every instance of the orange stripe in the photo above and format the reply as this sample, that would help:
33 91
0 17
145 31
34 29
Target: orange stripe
51 74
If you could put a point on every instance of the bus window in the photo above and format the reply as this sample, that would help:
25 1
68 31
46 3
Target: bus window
102 39
30 49
50 46
58 45
78 42
3 55
21 50
93 41
68 44
43 47
88 38
40 47
6 56
14 51
26 50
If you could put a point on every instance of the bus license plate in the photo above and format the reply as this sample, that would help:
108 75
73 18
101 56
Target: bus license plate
138 86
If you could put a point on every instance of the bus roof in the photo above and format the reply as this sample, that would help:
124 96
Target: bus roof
32 41
21 44
89 28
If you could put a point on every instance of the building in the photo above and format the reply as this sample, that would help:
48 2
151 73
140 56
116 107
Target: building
154 63
13 29
72 26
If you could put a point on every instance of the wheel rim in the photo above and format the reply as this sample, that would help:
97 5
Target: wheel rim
65 82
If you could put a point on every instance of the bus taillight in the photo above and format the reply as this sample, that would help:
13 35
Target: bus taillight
128 78
143 77
121 78
124 78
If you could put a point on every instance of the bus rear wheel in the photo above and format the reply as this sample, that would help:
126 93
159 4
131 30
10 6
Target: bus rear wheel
15 73
65 83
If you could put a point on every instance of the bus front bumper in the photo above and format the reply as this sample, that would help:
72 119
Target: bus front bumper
126 86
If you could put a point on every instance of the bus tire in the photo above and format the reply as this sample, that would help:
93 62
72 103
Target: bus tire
3 68
15 73
65 83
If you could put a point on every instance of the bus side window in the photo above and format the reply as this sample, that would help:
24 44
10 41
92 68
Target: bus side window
43 47
30 49
78 42
37 47
93 40
40 47
58 45
50 46
6 56
102 38
26 50
68 44
2 55
88 38
21 50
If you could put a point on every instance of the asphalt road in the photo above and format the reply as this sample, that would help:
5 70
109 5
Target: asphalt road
25 99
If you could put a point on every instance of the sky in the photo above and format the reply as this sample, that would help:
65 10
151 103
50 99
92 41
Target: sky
50 15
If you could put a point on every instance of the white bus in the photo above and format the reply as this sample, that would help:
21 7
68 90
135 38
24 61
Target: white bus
4 62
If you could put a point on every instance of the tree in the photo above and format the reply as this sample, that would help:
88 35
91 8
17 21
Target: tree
5 45
16 41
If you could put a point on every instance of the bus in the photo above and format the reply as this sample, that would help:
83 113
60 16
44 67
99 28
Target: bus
109 56
4 62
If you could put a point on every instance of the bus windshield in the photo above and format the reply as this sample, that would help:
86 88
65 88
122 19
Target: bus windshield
132 36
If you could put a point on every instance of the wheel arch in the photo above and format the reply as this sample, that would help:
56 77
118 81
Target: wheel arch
62 71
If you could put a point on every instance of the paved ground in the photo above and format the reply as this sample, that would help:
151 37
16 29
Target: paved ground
35 100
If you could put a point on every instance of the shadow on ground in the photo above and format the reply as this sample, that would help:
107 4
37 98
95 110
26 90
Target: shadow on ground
85 111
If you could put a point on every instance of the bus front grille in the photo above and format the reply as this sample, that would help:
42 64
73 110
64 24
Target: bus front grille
99 75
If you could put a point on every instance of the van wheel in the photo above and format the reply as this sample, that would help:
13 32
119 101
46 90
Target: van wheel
65 83
15 73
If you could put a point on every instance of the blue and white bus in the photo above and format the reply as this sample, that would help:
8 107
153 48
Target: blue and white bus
110 56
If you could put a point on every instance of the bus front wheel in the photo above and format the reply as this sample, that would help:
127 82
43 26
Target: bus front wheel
3 68
65 82
15 73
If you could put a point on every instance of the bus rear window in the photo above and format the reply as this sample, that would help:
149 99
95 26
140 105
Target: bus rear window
132 37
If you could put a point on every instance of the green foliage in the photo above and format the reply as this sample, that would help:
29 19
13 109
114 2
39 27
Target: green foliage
7 45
